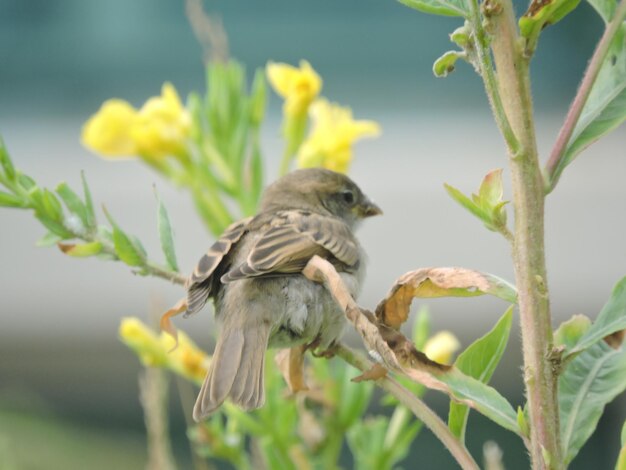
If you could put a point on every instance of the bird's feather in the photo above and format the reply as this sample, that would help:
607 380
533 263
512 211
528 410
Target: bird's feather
199 284
291 240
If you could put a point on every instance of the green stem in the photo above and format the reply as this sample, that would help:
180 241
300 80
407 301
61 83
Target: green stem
555 164
417 406
486 70
528 241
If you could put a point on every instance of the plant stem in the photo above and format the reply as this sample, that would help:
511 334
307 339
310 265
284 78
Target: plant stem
485 67
417 406
528 243
554 166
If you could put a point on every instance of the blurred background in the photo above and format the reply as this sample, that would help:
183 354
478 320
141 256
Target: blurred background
68 387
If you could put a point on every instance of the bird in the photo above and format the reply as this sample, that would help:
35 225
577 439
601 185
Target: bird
253 273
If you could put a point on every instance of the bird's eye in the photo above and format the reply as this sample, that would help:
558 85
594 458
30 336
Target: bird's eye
348 197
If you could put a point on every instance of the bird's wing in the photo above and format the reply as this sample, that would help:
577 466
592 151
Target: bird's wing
199 283
291 240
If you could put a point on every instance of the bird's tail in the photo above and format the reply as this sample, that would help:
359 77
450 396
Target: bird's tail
236 370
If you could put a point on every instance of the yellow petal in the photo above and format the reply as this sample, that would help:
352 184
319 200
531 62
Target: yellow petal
109 131
298 86
163 125
141 339
441 347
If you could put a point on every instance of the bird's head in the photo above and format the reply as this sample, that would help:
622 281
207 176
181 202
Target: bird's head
321 191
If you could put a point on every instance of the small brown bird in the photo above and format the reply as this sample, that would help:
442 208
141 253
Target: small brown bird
253 273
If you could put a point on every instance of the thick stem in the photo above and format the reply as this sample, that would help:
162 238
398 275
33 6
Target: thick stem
555 166
417 406
528 246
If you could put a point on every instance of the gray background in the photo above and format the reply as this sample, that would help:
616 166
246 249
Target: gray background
60 60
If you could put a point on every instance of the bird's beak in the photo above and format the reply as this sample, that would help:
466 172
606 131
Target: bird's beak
370 209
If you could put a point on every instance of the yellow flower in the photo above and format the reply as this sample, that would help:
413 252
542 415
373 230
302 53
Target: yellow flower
441 347
108 132
187 359
158 129
141 339
298 86
162 125
329 144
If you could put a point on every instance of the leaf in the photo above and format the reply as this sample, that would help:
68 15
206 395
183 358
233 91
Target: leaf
54 226
9 200
166 236
605 8
48 239
540 14
590 381
444 65
483 398
73 202
479 361
605 108
89 211
5 161
51 206
611 318
439 7
393 310
127 251
466 202
569 332
81 250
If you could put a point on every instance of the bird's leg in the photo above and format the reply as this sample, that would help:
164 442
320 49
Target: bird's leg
328 353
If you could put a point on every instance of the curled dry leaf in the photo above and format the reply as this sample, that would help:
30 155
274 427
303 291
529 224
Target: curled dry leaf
394 310
391 346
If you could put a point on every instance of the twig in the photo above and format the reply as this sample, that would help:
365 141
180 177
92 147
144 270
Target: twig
554 166
320 270
417 406
153 397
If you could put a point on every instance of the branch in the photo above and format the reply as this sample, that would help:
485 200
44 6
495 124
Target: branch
552 170
417 406
378 338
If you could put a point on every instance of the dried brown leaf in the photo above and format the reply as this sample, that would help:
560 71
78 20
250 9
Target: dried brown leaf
394 310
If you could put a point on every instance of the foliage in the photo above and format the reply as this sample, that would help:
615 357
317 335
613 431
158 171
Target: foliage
210 146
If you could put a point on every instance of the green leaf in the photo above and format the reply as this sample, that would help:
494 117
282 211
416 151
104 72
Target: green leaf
89 211
54 226
445 64
485 399
605 8
126 249
73 202
540 14
569 332
81 250
479 361
439 7
51 206
9 200
611 318
48 239
258 93
166 236
605 108
522 421
466 202
590 381
5 161
365 440
623 434
25 181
